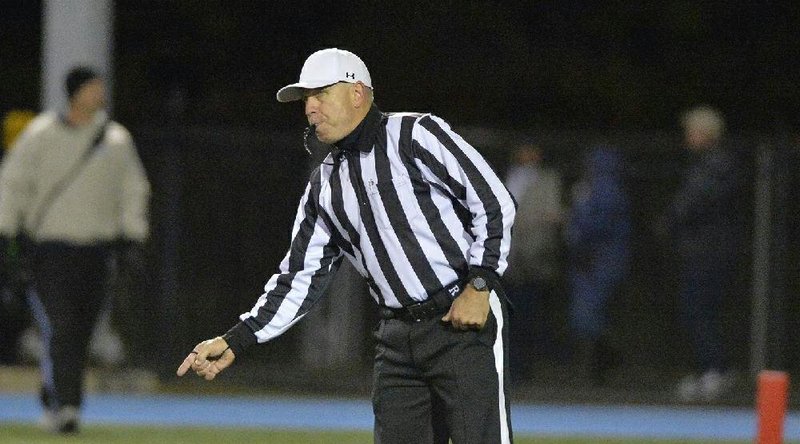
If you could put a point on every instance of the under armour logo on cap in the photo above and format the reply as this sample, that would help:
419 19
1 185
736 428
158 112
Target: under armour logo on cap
326 67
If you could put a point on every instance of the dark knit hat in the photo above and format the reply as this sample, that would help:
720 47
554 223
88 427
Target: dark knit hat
78 77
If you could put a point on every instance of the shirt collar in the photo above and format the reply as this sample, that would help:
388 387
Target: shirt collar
361 138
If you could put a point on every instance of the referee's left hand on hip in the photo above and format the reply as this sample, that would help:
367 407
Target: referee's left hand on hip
208 358
469 310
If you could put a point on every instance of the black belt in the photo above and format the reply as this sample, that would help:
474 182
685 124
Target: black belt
436 304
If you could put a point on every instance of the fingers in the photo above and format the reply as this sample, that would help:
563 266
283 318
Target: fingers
209 372
204 350
212 368
448 315
464 320
462 324
455 320
201 364
187 363
207 359
469 310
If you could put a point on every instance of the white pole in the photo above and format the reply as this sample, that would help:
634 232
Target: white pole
75 32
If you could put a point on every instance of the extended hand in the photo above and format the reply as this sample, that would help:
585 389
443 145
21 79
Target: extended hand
469 310
208 358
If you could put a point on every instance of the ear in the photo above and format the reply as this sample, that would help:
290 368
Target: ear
359 95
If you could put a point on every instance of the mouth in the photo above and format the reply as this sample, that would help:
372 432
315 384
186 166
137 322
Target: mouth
317 130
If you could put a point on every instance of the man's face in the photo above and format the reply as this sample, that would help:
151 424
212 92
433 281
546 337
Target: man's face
528 155
697 139
91 97
331 110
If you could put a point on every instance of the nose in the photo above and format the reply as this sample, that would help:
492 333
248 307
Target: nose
312 106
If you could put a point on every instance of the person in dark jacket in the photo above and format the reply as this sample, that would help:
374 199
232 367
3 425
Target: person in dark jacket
598 241
704 222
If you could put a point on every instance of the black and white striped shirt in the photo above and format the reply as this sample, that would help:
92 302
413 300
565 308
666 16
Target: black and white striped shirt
412 205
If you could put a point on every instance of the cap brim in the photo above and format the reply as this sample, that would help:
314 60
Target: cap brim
290 93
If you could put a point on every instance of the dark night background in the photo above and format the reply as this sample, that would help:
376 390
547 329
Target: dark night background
527 65
195 82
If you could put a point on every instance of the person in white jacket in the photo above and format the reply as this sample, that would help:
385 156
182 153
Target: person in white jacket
75 188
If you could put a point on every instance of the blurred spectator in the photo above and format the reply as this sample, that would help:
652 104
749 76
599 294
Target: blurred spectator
534 261
74 187
598 240
13 281
704 222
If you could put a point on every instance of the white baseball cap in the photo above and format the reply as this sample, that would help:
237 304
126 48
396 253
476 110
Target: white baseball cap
326 67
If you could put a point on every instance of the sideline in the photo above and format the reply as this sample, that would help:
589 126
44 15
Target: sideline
339 414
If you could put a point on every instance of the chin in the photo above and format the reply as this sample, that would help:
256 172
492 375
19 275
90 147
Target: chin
323 139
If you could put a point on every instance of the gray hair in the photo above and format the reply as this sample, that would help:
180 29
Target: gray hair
706 119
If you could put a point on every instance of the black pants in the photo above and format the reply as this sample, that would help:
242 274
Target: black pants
531 326
705 283
70 294
434 383
14 318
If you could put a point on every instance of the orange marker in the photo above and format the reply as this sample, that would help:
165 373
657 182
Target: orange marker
772 400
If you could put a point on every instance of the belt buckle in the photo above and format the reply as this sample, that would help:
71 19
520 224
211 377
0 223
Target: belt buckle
421 310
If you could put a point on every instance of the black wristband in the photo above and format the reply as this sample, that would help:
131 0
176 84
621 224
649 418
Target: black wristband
239 338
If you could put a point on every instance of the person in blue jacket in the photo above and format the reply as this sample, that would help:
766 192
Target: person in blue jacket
598 241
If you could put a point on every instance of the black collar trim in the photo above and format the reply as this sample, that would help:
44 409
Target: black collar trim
362 138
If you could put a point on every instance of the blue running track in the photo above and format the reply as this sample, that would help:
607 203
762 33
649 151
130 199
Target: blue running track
302 413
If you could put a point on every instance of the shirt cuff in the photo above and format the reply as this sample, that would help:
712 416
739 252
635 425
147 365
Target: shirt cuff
239 338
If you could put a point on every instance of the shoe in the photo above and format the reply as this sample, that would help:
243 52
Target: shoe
63 421
688 389
31 347
712 384
106 347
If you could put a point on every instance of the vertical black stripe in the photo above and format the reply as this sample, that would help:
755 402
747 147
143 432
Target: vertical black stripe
491 205
337 237
450 248
338 209
399 220
321 278
439 170
368 219
456 190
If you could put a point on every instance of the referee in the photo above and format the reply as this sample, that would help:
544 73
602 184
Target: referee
425 220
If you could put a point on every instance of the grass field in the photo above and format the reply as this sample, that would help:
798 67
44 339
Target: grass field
29 434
